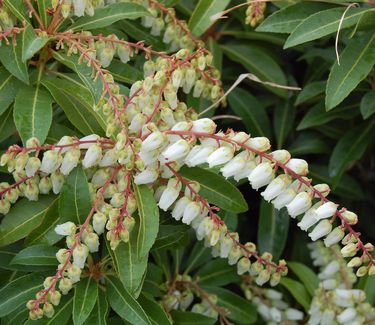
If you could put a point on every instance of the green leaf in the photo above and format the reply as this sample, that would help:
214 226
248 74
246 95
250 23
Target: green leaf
7 127
148 219
18 8
368 104
356 62
252 112
171 236
36 255
32 43
18 316
128 265
216 189
75 201
370 289
241 311
216 52
42 10
99 314
154 310
19 292
124 304
11 58
306 275
124 72
108 15
33 113
200 19
61 317
350 148
23 218
287 19
188 318
85 295
322 24
76 102
9 87
298 291
217 273
283 122
310 91
258 62
272 230
84 73
308 143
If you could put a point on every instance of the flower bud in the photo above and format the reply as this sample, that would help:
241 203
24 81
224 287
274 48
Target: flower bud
147 176
50 162
92 156
298 166
204 125
347 315
65 285
281 156
48 310
326 210
32 166
198 155
322 229
80 254
261 175
220 156
362 271
99 221
70 161
179 208
350 217
57 179
243 266
334 237
349 250
259 143
300 204
74 273
234 255
263 277
276 187
92 242
191 211
66 229
54 297
62 255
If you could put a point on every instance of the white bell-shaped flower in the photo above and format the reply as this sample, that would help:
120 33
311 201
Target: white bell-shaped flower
191 211
347 315
109 158
198 155
276 187
92 157
334 237
80 254
300 204
70 161
284 198
79 7
233 166
293 314
261 175
179 208
169 196
259 143
154 141
177 150
326 210
204 125
220 156
98 223
66 229
323 228
298 166
50 162
87 141
147 176
308 220
32 166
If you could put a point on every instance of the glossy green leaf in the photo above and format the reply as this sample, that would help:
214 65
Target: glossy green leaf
23 218
306 275
125 72
283 122
288 18
368 104
154 310
75 201
33 112
99 314
32 43
216 189
258 62
350 148
108 15
241 311
252 112
356 62
272 230
77 104
9 87
18 8
171 236
310 91
200 19
323 23
148 213
217 53
36 255
85 295
217 273
298 291
188 318
124 304
19 292
369 289
11 59
43 5
18 316
308 143
84 73
7 127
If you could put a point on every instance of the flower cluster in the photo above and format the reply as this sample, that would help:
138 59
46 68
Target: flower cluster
270 304
7 20
336 301
255 12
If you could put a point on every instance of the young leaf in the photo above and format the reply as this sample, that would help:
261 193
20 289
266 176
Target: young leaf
241 311
110 14
23 218
154 310
98 315
124 304
368 104
75 202
9 87
306 275
252 112
188 318
19 292
148 219
33 113
85 295
288 18
322 24
200 19
11 58
216 189
36 255
350 148
298 291
272 230
259 62
356 62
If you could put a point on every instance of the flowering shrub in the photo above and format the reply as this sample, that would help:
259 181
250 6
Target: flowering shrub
121 197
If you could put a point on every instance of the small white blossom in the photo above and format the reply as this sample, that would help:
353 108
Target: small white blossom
191 211
204 125
198 155
66 229
177 150
80 254
147 176
220 156
276 187
92 157
298 166
300 204
179 208
261 175
322 229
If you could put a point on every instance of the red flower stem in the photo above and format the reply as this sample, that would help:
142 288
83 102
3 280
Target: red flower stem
8 189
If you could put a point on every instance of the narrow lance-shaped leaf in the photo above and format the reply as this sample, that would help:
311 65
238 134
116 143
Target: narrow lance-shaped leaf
356 62
85 295
98 315
306 275
7 127
154 310
9 86
368 104
32 43
36 255
43 5
283 122
188 318
18 8
298 291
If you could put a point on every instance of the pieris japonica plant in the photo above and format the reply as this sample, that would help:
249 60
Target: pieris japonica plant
118 196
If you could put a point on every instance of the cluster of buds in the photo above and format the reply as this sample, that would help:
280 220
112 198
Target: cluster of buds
78 8
270 304
336 301
7 20
255 12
